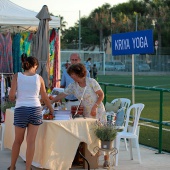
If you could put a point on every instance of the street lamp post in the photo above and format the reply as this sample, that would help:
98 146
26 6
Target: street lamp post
157 46
133 69
79 30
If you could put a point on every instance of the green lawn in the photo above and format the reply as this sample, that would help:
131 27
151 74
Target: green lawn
162 81
148 135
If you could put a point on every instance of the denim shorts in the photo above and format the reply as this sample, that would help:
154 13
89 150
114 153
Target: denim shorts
27 115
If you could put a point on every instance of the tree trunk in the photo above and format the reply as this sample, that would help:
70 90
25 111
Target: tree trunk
101 39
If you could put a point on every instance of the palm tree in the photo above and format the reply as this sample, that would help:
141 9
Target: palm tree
158 14
124 16
62 24
100 20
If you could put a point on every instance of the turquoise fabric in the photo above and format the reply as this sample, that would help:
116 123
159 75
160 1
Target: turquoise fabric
16 53
120 117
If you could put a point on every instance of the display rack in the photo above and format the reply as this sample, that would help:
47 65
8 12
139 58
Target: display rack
2 92
111 152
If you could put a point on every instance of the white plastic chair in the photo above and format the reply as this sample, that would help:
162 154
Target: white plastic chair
2 129
125 102
130 135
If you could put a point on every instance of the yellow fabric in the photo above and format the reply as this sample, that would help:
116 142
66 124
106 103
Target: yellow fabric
56 142
113 106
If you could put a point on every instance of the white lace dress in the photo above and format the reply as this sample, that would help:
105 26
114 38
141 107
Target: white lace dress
90 97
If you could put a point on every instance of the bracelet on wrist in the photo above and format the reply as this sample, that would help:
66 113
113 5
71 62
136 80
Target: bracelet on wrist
96 104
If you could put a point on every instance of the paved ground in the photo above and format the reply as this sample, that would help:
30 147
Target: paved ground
150 160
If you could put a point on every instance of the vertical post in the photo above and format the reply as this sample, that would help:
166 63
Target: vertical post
111 34
105 92
79 30
2 98
156 47
104 59
59 58
111 23
136 22
133 69
160 122
133 80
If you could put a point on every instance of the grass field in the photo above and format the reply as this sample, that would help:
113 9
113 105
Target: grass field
149 134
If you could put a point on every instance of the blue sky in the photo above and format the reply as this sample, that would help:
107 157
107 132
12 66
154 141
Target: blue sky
69 9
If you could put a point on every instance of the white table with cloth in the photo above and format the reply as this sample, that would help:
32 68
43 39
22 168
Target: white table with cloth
56 142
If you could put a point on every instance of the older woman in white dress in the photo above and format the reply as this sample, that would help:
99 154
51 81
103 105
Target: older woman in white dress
93 94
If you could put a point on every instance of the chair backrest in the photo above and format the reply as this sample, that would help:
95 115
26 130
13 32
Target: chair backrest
124 102
137 109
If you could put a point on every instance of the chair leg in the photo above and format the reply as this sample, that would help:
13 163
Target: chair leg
2 136
117 144
125 144
138 150
130 146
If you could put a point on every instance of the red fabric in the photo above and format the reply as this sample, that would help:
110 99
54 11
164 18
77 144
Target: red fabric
52 35
56 72
30 36
6 60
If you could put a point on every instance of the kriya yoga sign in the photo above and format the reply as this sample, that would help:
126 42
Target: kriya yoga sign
139 42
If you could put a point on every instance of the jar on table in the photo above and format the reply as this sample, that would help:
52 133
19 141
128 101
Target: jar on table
74 109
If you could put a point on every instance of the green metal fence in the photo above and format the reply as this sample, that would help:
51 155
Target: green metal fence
160 121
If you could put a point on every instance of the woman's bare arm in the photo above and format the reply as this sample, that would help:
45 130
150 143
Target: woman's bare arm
100 98
12 92
59 97
44 96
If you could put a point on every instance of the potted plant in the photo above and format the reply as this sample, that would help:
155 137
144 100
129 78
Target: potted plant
106 132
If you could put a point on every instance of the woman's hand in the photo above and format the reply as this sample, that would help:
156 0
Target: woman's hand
51 111
93 111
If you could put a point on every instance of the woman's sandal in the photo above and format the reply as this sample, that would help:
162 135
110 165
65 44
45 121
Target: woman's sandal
9 168
15 168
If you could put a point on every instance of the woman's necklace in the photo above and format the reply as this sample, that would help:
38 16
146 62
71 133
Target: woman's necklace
82 83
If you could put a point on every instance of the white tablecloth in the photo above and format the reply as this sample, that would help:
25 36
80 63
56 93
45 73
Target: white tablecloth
57 141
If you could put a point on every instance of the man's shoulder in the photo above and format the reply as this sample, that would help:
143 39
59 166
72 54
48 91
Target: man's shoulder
64 73
66 78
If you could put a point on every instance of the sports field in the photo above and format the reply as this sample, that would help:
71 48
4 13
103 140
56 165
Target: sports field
149 133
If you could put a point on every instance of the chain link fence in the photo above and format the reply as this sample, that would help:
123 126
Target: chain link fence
108 64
